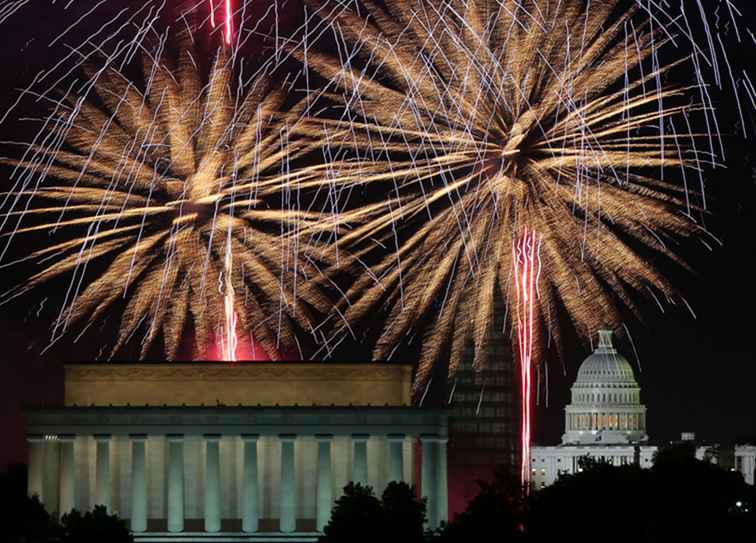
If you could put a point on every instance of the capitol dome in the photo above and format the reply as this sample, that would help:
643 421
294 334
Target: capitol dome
605 406
605 365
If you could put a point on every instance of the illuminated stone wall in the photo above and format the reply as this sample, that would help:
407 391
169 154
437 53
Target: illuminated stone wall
246 384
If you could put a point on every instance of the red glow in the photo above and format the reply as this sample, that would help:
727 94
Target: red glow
526 271
247 350
229 340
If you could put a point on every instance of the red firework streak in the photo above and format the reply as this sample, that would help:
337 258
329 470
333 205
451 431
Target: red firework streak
526 268
229 22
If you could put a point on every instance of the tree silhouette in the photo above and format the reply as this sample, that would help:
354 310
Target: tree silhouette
24 518
678 499
497 513
403 511
600 502
94 526
356 514
359 515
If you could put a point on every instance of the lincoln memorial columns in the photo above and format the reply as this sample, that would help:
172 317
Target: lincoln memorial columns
434 480
175 483
442 484
102 475
324 486
67 490
249 498
288 521
138 483
396 457
50 483
212 483
360 460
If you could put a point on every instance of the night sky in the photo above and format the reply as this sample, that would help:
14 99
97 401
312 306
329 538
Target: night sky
697 374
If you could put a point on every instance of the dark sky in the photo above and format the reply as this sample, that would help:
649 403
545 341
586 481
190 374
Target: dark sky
697 375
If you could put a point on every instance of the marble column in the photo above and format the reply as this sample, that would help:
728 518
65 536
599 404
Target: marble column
138 483
50 478
428 478
212 483
35 481
396 457
359 458
442 483
288 520
67 489
324 488
249 497
102 472
175 483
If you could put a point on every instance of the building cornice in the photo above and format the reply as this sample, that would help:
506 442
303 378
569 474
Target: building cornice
220 371
237 420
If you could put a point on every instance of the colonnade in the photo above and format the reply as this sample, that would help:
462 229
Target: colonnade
631 421
52 475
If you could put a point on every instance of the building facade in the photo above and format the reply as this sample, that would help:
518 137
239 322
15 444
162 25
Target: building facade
484 416
745 462
245 452
604 420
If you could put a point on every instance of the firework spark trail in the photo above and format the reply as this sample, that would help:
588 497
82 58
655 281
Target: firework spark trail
229 22
124 176
502 118
228 19
480 74
526 262
229 341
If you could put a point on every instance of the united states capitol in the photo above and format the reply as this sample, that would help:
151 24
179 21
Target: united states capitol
606 420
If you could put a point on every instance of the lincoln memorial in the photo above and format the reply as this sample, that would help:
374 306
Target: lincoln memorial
233 452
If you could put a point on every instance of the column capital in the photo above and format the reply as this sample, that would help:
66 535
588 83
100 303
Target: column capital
212 437
101 437
175 437
360 437
138 437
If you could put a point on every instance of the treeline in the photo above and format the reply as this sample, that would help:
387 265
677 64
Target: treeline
23 519
678 499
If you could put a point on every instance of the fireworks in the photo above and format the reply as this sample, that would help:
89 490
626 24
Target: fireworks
476 120
526 272
459 123
158 187
228 29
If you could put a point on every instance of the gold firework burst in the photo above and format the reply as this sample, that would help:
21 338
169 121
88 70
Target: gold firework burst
478 119
155 184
